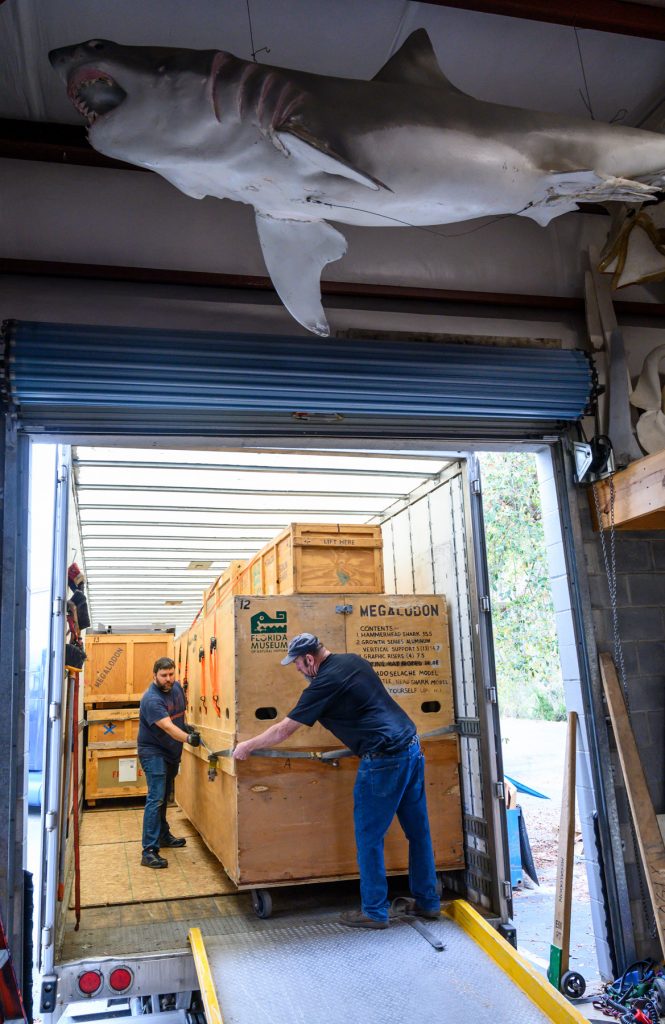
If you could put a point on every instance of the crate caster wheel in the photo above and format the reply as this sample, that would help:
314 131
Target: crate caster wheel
573 985
262 903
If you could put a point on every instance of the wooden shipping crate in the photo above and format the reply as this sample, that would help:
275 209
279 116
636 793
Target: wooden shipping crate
191 670
180 655
239 686
118 668
113 773
115 727
227 583
317 558
284 820
305 807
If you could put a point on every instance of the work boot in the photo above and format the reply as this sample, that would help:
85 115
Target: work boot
171 840
151 859
356 919
405 906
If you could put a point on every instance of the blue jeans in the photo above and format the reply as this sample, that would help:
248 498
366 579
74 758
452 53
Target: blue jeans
159 775
385 787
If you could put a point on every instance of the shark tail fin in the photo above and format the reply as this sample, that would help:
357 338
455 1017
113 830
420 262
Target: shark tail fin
415 62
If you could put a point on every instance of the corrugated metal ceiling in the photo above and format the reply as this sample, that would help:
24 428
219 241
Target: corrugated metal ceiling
157 526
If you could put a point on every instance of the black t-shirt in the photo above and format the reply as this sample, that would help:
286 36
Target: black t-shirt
348 698
155 705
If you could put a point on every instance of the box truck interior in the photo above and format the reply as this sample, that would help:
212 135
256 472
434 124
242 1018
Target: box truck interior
138 518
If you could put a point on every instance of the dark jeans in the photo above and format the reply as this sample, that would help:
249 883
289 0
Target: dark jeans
159 776
385 787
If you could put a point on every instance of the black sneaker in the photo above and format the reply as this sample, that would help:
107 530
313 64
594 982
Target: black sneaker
151 859
170 840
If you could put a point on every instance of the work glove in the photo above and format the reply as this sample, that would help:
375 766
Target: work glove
194 739
188 728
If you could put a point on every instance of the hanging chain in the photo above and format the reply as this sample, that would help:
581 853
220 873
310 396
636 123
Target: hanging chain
610 560
611 571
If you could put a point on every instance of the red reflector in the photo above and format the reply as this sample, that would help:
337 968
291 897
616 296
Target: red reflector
120 979
90 982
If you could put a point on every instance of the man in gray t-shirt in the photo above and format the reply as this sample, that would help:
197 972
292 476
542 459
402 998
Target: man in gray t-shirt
162 732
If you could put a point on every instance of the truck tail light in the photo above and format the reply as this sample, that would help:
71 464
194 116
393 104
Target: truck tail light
90 982
120 979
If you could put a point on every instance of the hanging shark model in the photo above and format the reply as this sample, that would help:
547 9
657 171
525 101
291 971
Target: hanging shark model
406 148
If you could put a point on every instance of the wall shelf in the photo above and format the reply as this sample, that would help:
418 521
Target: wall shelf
639 496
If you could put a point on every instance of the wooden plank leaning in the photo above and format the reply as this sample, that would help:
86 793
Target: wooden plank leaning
560 947
650 841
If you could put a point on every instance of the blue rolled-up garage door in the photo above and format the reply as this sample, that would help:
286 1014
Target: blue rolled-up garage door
72 377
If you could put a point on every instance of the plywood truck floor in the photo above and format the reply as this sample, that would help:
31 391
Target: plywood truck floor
111 872
123 825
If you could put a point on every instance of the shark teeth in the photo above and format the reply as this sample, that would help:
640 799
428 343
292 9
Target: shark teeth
85 110
78 100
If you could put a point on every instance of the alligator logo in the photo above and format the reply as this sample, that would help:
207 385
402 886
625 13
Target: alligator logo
262 623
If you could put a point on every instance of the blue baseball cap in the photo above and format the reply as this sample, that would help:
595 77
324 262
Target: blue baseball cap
301 644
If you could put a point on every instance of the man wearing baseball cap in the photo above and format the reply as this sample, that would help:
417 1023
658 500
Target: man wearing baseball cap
348 698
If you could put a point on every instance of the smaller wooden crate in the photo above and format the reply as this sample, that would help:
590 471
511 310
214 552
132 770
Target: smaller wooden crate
317 558
118 669
113 773
227 583
116 727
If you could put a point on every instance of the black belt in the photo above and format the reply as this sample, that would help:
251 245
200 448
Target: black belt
392 753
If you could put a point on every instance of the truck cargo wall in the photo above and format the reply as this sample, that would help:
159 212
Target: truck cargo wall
427 549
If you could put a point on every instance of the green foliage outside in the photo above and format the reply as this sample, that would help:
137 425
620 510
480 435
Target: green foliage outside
527 665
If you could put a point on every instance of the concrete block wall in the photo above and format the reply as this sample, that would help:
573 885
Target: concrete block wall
640 598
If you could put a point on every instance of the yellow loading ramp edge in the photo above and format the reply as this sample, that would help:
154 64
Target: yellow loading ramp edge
534 985
213 1013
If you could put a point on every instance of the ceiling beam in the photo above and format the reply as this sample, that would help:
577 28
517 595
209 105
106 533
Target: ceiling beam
270 528
95 507
54 143
264 492
213 467
244 284
617 16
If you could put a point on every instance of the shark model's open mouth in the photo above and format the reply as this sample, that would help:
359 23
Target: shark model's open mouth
94 93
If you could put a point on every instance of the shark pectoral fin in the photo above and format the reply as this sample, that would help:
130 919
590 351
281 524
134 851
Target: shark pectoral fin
301 144
295 252
561 191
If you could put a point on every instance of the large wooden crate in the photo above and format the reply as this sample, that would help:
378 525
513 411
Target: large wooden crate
229 582
317 558
118 669
113 773
115 727
272 820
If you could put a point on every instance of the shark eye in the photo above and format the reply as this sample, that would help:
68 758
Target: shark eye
96 44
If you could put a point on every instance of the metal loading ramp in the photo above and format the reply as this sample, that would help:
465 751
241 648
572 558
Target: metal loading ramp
324 973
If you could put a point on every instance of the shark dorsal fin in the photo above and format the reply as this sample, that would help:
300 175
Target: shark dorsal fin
415 62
